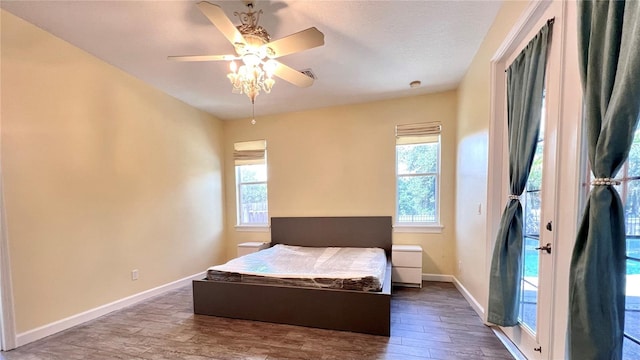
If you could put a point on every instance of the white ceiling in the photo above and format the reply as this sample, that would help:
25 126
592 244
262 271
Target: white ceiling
372 50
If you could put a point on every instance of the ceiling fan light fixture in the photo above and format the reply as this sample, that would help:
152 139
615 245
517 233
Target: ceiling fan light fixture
252 77
256 74
254 47
270 67
268 84
251 60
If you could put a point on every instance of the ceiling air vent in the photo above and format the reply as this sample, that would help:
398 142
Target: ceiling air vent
309 73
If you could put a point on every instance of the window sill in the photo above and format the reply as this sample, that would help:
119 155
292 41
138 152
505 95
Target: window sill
418 229
253 228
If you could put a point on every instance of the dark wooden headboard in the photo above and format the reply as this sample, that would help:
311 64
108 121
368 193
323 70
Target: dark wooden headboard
358 231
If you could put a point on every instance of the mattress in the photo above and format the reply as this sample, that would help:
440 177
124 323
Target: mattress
346 268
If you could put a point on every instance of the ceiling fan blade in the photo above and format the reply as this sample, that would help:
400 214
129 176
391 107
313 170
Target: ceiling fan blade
303 40
201 58
293 76
220 20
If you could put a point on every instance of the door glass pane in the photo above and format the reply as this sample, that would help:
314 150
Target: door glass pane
632 305
634 155
532 213
535 176
632 208
630 350
629 190
529 295
532 205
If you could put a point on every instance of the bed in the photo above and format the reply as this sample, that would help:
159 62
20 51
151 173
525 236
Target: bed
347 268
336 309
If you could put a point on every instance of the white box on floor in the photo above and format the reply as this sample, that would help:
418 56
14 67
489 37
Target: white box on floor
407 265
251 247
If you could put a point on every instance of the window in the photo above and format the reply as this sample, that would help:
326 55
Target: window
629 191
250 159
417 174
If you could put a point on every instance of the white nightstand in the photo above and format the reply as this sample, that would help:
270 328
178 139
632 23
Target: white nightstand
407 265
251 247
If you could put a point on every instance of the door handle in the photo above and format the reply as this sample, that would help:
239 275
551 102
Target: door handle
546 248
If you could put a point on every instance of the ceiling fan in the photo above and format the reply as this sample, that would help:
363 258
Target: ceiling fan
256 51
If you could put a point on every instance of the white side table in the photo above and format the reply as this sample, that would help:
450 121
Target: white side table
251 247
407 265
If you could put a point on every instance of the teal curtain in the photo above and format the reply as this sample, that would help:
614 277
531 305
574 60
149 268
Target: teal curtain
609 56
525 88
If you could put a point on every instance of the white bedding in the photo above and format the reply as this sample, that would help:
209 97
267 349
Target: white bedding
296 262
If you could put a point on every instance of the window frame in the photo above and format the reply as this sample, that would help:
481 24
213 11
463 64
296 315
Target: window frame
239 185
420 227
239 163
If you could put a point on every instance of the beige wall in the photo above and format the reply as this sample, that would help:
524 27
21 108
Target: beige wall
341 161
472 156
102 174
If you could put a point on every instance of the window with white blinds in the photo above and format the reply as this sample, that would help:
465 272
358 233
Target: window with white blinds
418 173
250 159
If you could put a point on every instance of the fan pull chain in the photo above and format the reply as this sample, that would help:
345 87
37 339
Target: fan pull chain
253 113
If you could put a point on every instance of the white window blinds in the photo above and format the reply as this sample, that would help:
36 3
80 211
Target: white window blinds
249 152
418 133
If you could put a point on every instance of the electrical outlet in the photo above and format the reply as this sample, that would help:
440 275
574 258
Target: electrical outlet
134 274
460 267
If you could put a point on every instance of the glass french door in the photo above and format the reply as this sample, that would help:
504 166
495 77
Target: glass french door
532 335
629 190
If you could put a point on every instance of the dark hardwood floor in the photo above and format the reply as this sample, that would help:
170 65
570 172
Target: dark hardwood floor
434 322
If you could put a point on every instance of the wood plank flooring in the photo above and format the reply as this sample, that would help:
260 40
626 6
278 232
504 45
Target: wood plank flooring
434 322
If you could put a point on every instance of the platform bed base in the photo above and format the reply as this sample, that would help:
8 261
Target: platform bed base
357 311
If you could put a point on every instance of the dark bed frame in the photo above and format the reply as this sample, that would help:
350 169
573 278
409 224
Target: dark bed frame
357 311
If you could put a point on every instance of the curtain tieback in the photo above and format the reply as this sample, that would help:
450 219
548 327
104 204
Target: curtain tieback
605 182
514 197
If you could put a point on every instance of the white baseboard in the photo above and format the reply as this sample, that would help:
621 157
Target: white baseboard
470 299
60 325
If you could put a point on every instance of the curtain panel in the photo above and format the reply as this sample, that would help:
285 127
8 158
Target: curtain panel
525 89
608 43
